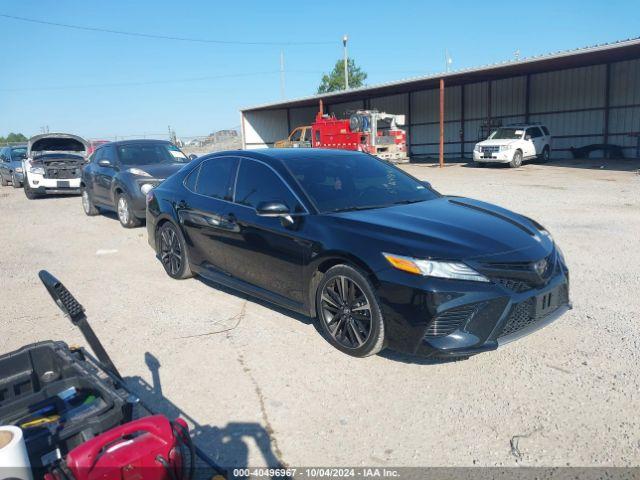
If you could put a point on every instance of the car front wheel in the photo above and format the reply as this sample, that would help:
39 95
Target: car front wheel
349 313
125 213
15 182
87 204
29 193
517 159
172 250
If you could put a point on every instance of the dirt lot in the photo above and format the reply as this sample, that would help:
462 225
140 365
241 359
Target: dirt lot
268 388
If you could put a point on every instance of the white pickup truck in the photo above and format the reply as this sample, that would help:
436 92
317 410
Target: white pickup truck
513 144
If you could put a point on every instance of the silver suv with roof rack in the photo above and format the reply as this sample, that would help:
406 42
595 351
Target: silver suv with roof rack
513 144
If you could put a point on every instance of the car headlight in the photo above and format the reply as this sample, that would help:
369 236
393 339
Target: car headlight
433 268
37 170
477 148
138 172
18 169
504 148
146 188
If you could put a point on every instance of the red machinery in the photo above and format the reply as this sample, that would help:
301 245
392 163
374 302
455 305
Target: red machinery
149 449
367 131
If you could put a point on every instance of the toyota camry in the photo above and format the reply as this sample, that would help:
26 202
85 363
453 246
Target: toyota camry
376 256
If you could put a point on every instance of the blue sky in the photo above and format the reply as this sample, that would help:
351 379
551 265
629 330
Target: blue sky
89 82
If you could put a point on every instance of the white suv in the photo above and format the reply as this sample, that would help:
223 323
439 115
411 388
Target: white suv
513 144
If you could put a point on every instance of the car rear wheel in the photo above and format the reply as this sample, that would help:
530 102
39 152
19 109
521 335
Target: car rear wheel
172 250
87 204
349 313
544 158
125 213
517 159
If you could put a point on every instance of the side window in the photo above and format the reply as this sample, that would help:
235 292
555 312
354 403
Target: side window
545 130
257 183
534 132
192 178
295 136
216 177
307 135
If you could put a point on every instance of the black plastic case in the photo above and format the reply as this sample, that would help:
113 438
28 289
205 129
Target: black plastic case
37 373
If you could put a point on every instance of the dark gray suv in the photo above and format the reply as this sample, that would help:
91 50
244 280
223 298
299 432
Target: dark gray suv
11 165
120 174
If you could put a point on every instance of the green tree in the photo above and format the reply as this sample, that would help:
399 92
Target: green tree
335 80
13 138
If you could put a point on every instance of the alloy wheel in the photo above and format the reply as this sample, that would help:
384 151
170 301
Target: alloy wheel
346 311
170 251
85 202
123 210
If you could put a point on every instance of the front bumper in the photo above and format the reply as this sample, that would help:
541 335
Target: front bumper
438 317
494 157
48 185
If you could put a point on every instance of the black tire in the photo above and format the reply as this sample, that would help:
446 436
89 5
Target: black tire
517 159
544 157
172 251
28 192
479 164
3 181
125 213
342 290
14 181
87 203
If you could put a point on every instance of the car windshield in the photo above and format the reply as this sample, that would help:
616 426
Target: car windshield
18 153
150 154
355 181
507 133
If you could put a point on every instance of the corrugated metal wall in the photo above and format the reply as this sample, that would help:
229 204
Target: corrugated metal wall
572 103
261 128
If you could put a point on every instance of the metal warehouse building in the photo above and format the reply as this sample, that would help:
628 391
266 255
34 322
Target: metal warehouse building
585 96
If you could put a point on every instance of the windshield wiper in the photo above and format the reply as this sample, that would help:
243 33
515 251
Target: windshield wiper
356 208
407 202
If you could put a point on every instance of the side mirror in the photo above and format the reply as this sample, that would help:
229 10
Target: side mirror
105 163
272 209
193 156
527 137
427 184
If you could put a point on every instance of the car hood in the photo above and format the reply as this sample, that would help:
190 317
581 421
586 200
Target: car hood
57 142
452 228
488 143
160 171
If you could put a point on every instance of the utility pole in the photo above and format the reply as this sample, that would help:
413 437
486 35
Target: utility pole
447 61
282 79
346 63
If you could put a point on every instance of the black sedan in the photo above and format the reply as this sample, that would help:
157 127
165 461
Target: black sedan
377 256
120 174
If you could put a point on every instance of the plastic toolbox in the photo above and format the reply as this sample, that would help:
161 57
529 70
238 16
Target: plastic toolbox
59 399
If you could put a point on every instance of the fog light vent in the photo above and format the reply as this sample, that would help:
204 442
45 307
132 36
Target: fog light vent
450 320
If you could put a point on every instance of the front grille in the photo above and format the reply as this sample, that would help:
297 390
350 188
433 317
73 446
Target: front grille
521 316
491 149
61 172
450 320
517 286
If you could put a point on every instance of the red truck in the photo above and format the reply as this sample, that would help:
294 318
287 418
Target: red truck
368 131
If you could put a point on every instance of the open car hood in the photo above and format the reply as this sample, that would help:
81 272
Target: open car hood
57 142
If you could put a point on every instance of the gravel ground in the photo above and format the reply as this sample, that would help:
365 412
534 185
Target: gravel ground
264 387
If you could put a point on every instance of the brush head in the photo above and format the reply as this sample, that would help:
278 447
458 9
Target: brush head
63 298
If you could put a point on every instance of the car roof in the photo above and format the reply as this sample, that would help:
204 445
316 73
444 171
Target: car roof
137 141
277 155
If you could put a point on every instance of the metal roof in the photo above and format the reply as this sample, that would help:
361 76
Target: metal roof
595 54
